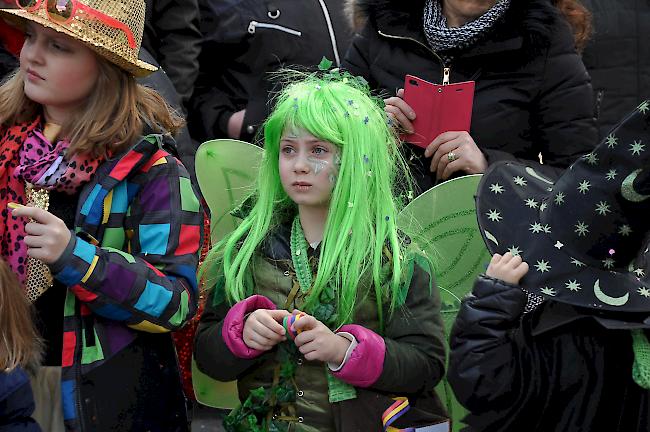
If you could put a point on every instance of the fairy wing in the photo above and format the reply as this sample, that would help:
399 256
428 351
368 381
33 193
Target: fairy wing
226 170
442 221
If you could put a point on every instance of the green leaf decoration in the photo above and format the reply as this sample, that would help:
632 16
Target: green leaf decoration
325 64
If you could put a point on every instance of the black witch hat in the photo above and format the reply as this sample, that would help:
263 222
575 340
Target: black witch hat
580 233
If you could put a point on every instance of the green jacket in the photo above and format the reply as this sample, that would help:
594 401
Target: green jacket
414 355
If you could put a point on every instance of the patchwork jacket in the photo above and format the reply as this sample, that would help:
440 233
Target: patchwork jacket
130 270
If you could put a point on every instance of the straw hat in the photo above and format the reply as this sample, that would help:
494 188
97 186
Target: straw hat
111 43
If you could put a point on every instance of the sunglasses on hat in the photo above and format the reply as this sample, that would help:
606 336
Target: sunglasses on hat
63 12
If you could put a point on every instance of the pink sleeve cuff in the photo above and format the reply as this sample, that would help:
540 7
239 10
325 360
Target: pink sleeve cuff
232 331
366 363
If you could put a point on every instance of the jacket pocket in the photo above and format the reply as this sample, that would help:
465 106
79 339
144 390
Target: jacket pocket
254 25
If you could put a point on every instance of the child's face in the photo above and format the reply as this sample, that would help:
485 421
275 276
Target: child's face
60 72
308 167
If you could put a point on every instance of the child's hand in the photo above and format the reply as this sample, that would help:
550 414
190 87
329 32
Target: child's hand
507 268
317 342
47 236
262 329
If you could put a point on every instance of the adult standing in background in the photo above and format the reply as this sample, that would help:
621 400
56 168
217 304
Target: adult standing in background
618 57
245 40
532 91
172 36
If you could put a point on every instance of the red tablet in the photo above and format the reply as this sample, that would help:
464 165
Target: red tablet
438 108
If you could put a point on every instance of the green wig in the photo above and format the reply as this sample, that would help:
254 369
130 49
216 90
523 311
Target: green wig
360 235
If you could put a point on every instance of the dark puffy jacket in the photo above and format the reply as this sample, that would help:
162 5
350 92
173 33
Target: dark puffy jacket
618 57
532 92
8 63
244 40
172 36
16 403
553 370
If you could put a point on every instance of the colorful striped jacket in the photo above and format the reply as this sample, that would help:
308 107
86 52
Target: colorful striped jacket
131 277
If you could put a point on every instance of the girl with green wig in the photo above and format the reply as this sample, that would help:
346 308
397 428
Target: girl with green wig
323 311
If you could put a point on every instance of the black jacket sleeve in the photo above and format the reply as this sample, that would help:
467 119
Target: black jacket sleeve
16 403
563 125
415 349
172 35
485 362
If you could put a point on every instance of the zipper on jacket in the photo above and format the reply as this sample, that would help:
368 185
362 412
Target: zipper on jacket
446 70
255 24
330 29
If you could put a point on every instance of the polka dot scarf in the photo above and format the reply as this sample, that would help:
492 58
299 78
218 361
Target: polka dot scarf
27 156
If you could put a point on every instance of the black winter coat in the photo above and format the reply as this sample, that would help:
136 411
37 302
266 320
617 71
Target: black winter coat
244 40
8 63
553 370
618 57
172 36
532 92
16 403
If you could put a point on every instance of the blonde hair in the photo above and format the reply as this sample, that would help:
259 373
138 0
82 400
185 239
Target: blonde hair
113 117
20 344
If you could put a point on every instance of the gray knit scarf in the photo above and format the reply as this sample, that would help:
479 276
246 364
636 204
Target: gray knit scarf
441 37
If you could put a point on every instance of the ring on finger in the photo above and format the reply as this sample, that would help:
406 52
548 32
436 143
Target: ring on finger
451 156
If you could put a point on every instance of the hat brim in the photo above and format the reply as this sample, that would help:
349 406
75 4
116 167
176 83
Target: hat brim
507 223
136 67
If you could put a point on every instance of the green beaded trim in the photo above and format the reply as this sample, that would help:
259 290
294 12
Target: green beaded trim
299 255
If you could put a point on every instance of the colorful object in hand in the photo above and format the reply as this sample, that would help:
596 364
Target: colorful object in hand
288 323
393 412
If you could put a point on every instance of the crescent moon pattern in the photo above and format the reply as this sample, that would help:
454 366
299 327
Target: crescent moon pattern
627 189
531 172
612 301
491 237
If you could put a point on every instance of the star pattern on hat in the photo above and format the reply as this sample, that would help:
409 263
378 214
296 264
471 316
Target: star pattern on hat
494 215
608 263
531 203
645 292
514 250
637 148
581 229
546 228
559 198
639 272
624 230
542 266
584 186
573 285
558 245
577 263
496 188
520 181
536 227
603 208
611 174
644 107
548 291
543 206
611 141
592 158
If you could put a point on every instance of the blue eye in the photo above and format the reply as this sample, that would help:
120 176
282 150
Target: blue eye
320 150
